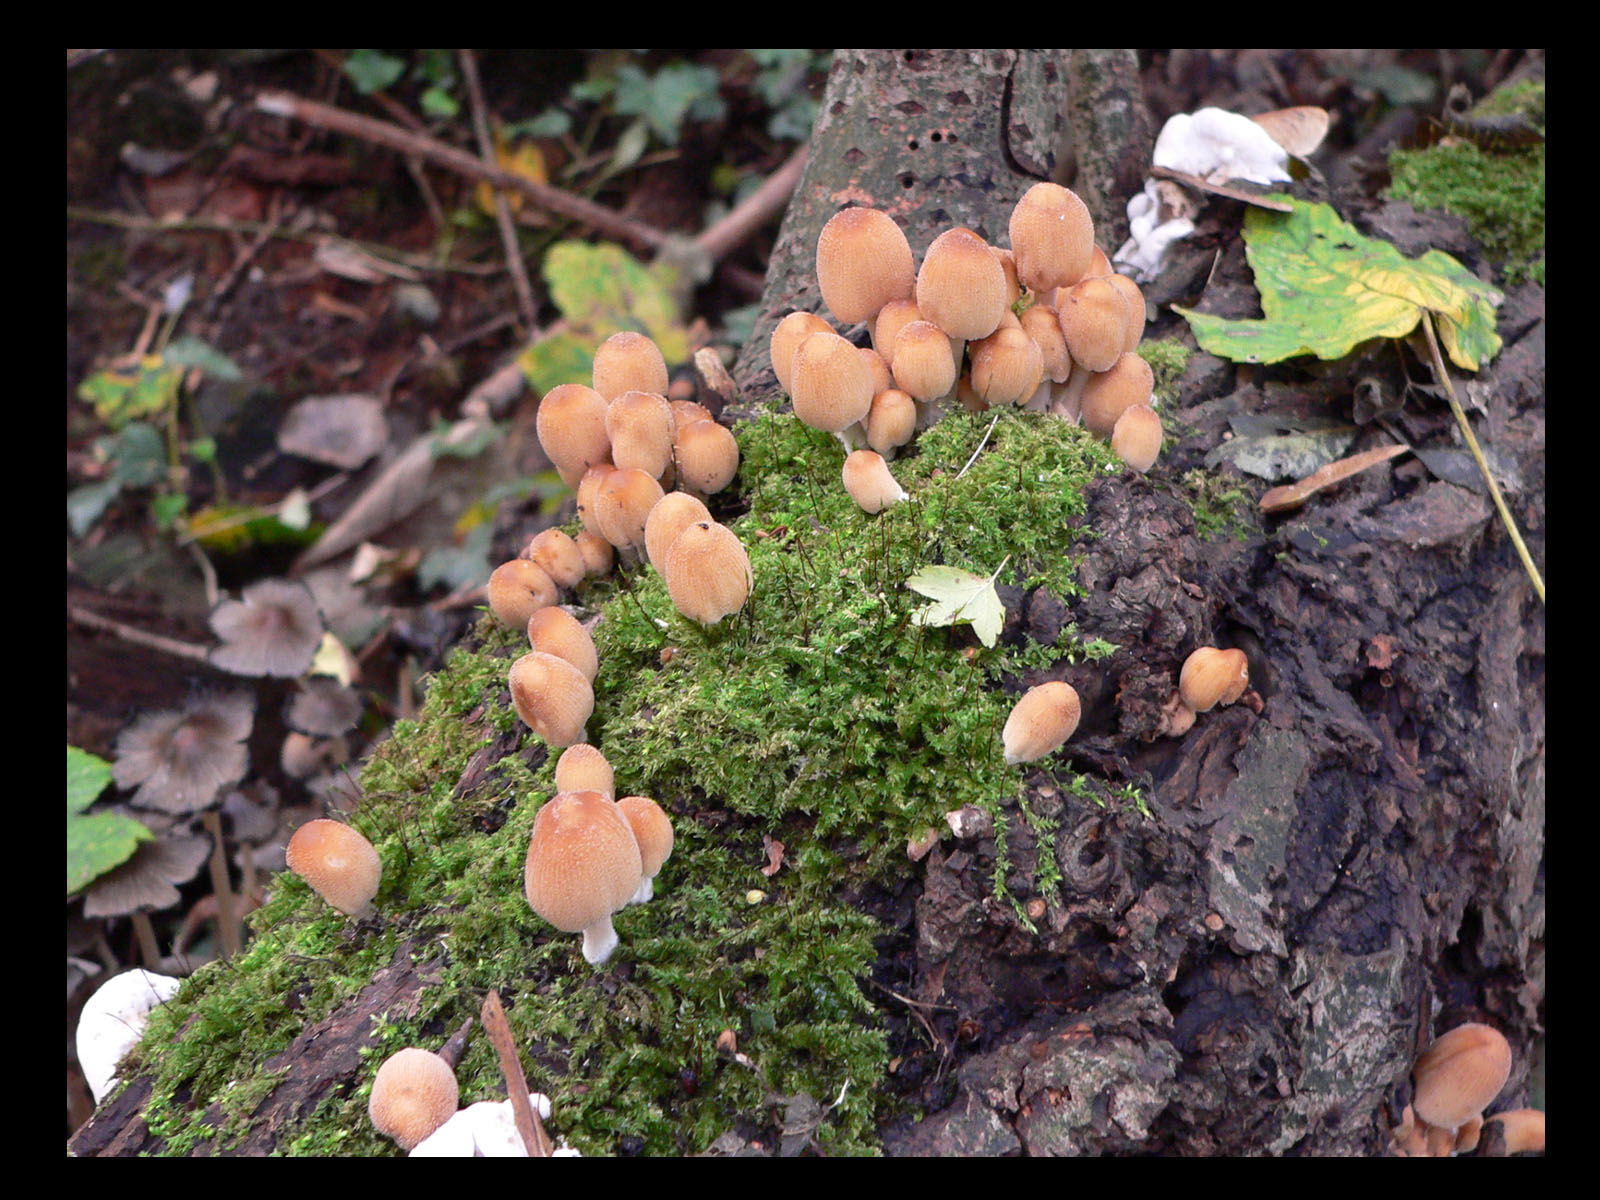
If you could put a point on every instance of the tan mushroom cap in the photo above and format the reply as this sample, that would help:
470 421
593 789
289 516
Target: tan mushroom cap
1007 366
863 262
1052 237
891 319
1094 321
598 554
707 572
923 363
571 425
414 1093
519 588
552 697
629 362
1136 314
831 384
582 768
640 426
1044 327
1109 394
556 631
786 340
1040 722
588 488
892 420
1460 1074
622 505
340 865
1211 677
652 829
1136 437
558 554
687 412
673 513
708 456
870 482
583 865
961 287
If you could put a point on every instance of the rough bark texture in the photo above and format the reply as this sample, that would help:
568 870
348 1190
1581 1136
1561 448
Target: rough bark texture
1112 137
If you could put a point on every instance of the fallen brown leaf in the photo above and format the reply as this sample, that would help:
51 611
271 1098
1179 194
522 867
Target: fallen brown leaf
1298 130
1293 495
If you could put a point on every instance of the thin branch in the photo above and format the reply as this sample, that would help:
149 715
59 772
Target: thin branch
502 207
1477 454
498 1028
138 637
326 116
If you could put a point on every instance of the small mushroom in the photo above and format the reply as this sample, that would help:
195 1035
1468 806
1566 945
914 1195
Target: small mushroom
339 863
830 383
1459 1074
672 514
273 629
1136 437
571 425
707 572
786 339
583 865
1052 237
708 456
414 1093
180 760
558 555
582 768
961 286
863 262
552 697
556 631
1040 722
518 589
870 483
1211 677
629 362
652 829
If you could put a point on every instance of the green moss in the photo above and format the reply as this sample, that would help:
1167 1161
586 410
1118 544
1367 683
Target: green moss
1168 359
1499 192
819 717
1221 508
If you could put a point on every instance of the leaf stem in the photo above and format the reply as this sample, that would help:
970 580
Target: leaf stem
1477 454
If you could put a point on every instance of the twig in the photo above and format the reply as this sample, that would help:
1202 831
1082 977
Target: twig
498 1028
757 209
456 1046
981 445
138 637
381 133
502 207
1477 455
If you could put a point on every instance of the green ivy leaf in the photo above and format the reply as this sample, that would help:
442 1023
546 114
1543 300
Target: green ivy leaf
95 844
1325 288
957 596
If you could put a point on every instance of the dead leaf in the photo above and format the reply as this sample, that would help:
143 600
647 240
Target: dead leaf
1293 495
1231 191
351 262
1298 130
774 851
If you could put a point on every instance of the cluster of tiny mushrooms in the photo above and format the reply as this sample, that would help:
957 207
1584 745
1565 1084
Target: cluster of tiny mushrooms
1045 325
1454 1080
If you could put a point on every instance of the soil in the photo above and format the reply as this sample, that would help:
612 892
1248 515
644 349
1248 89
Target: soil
1337 870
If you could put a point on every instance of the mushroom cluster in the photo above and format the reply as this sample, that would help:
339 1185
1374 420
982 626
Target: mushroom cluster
949 332
1210 678
1456 1078
590 855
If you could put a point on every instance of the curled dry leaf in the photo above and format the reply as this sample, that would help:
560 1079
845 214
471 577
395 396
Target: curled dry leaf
1293 495
1298 130
774 851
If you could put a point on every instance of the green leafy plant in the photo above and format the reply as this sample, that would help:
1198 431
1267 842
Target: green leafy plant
96 842
602 290
1325 288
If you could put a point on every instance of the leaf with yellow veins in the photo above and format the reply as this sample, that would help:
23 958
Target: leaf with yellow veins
957 596
1325 288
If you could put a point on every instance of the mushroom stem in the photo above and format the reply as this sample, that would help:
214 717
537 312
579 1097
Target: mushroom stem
146 933
599 940
227 911
647 889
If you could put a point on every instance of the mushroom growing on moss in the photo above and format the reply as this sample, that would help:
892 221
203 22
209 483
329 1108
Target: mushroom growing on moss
1040 722
707 572
414 1093
652 829
583 865
552 697
339 863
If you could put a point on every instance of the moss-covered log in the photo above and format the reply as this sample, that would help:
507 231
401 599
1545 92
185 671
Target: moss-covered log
1230 942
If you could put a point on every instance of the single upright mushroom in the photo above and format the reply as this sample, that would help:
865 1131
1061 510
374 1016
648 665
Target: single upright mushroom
863 262
558 554
1040 722
961 287
339 863
571 425
583 865
552 697
1460 1074
628 362
556 631
1052 237
582 768
274 628
830 383
519 588
414 1093
870 483
707 572
672 514
1211 677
